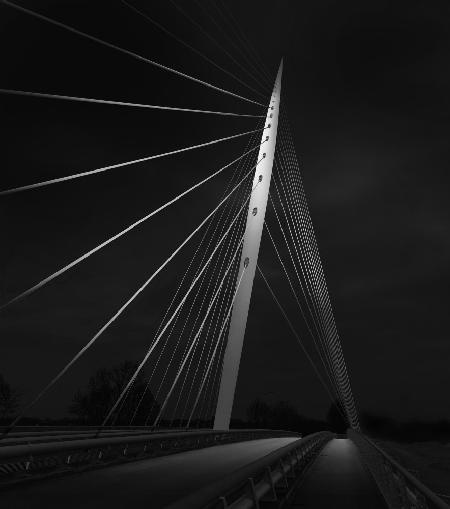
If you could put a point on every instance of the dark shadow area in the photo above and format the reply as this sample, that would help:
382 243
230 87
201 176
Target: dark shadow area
283 415
407 431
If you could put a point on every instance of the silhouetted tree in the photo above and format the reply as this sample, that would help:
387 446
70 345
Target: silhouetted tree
259 414
9 399
281 415
104 387
284 416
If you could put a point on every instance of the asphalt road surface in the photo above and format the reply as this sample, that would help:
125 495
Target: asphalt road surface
146 484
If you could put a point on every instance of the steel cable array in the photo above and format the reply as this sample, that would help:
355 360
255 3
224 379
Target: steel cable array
185 353
299 237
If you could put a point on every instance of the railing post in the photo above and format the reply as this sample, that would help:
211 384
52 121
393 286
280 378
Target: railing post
272 485
249 257
253 493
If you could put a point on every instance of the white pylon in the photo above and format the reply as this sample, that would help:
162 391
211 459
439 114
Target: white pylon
249 258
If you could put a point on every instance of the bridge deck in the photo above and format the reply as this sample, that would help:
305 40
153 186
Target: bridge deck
142 484
338 478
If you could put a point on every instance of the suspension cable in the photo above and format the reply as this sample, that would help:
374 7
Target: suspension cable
305 249
325 337
247 41
125 51
303 261
156 341
200 290
225 321
237 174
194 341
120 311
349 404
212 277
152 347
316 325
126 163
298 257
212 39
43 95
195 50
326 317
313 365
327 368
61 271
204 292
210 395
232 43
294 265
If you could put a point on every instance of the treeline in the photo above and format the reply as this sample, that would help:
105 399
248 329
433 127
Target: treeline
283 415
90 405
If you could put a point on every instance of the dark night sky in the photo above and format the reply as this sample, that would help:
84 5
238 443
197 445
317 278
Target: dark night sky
367 87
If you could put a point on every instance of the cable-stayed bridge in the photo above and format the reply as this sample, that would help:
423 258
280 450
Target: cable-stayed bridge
176 448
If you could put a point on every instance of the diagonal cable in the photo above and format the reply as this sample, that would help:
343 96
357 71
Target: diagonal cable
194 341
304 270
120 311
304 262
43 95
241 167
327 368
295 266
313 365
125 51
61 271
230 40
212 276
330 349
349 406
245 38
212 357
200 290
218 306
212 39
156 341
195 50
126 163
327 320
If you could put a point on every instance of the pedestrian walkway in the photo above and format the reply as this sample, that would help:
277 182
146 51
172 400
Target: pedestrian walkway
339 479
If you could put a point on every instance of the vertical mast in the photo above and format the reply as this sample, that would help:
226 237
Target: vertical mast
249 258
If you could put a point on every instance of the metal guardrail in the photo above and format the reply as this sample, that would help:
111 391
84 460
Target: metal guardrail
400 488
25 459
268 479
21 431
58 434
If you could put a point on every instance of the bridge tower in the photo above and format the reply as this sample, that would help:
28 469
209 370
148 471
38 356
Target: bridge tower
249 258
